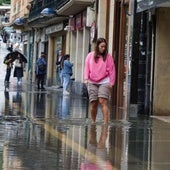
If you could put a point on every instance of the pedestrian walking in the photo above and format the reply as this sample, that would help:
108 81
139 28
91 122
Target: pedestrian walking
8 60
41 69
99 75
66 73
59 69
19 64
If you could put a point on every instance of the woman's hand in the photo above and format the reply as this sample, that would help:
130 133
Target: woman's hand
86 82
111 86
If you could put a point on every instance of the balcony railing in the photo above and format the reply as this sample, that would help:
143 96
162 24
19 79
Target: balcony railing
60 5
143 5
39 5
72 7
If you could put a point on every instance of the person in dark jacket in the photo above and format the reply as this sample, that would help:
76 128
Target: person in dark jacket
8 60
59 69
66 73
41 69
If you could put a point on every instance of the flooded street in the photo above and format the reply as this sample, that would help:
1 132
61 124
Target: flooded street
42 130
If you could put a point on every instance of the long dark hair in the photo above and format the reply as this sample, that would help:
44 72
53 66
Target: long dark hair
64 57
97 53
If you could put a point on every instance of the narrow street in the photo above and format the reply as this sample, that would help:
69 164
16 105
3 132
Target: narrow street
42 130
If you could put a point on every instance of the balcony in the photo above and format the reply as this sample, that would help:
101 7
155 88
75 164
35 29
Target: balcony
143 5
63 7
39 5
35 18
72 7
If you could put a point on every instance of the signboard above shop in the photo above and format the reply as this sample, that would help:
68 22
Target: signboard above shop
54 28
78 21
143 5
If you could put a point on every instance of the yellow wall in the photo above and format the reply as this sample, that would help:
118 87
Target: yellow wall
161 104
19 9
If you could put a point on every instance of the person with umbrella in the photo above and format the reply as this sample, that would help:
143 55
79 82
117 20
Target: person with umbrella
20 60
17 51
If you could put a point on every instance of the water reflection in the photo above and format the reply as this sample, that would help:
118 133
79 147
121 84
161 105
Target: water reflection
64 114
96 156
13 106
43 142
17 103
55 107
7 106
39 105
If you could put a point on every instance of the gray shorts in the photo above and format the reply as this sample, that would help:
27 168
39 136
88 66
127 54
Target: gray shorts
97 91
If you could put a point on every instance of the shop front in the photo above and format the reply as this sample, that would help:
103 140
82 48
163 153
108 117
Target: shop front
151 57
79 48
56 42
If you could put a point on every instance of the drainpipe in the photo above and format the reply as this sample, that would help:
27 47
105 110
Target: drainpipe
34 56
28 54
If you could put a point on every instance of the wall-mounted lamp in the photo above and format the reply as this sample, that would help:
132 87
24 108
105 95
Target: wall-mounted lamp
48 12
68 28
19 21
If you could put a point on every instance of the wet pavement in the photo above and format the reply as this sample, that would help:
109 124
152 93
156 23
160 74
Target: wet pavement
42 130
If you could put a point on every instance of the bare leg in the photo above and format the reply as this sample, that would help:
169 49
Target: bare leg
93 110
105 109
103 137
93 135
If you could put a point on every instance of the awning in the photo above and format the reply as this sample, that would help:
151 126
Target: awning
143 5
5 7
19 21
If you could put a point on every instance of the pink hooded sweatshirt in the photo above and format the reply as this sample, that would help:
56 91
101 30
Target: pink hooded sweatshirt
97 71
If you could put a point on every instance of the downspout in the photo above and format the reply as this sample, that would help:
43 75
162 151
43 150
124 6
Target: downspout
34 57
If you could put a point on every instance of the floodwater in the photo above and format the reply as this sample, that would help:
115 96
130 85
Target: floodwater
42 130
45 130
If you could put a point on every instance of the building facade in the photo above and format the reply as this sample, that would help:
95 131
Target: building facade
19 8
108 19
20 11
150 58
74 29
133 31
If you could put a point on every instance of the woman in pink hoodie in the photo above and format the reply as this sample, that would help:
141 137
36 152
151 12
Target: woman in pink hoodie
99 75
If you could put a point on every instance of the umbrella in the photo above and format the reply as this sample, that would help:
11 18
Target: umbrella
7 57
15 54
